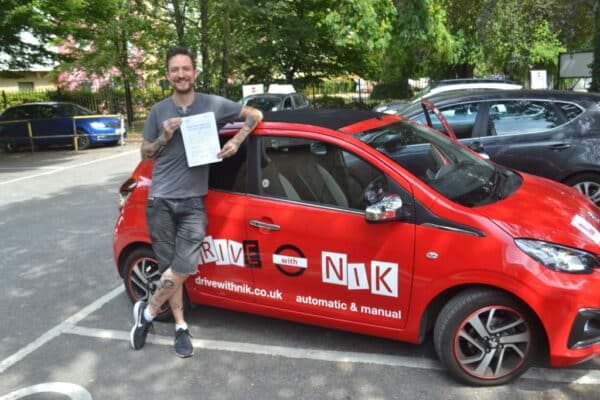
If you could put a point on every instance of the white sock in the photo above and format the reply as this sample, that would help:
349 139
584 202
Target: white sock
183 327
147 316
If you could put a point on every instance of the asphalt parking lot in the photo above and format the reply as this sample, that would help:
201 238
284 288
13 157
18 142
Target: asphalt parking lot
66 319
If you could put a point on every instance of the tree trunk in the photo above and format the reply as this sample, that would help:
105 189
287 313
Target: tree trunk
204 45
595 86
225 50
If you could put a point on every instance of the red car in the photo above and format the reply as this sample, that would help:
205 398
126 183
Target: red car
374 224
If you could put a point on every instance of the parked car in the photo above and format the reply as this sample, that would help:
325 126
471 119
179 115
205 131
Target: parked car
554 134
57 123
276 101
465 85
376 224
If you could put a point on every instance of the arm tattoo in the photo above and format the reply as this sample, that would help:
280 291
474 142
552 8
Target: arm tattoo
250 122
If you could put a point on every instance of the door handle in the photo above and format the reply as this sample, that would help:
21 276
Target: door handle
560 146
264 225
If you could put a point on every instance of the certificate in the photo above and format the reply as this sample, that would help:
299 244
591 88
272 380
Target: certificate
200 139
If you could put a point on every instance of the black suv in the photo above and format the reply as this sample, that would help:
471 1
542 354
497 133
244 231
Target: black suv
554 134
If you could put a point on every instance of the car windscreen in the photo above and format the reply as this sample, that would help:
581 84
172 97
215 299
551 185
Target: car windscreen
446 166
265 103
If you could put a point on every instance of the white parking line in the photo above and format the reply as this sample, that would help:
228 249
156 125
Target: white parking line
58 329
569 376
60 169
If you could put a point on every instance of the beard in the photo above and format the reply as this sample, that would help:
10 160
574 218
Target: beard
183 86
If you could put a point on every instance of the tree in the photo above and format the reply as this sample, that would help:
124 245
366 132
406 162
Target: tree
595 86
26 29
105 38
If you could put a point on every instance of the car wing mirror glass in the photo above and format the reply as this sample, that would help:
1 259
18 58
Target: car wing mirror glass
386 209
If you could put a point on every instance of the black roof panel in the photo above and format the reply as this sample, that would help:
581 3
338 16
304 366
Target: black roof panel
332 119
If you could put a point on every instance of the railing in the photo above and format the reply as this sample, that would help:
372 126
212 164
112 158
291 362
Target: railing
7 140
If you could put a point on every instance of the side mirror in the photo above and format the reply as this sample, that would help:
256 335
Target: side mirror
386 209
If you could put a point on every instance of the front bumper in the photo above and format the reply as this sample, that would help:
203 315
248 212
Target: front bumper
585 331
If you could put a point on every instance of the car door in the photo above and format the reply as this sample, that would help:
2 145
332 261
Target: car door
50 126
224 270
14 126
317 253
526 135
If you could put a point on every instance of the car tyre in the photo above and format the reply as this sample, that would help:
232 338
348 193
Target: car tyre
83 140
10 147
588 184
485 337
140 275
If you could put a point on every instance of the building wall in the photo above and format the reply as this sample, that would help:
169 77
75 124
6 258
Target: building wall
26 80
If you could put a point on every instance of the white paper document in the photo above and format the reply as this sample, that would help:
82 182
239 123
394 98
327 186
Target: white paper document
200 139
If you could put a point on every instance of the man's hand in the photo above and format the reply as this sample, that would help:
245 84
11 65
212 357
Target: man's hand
150 150
229 148
169 128
252 117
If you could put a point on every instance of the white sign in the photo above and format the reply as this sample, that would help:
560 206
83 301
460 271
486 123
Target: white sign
539 79
576 65
200 139
247 90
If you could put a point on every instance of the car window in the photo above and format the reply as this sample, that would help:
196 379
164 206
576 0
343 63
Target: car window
313 171
522 116
460 117
230 173
47 112
287 103
450 169
16 114
300 100
266 103
571 110
24 112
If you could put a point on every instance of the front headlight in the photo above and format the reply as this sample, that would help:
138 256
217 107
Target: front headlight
559 258
98 125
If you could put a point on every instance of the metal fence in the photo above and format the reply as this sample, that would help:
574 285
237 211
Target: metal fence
111 100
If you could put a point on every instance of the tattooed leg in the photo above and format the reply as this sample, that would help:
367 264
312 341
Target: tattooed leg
176 303
169 285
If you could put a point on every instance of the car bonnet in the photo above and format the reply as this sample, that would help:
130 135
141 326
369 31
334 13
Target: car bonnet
549 211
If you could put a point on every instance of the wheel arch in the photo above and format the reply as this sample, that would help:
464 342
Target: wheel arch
434 307
126 251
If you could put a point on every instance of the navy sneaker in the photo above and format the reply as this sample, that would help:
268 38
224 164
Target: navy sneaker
183 343
140 327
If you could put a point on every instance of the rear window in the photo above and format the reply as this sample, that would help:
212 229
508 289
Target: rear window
571 110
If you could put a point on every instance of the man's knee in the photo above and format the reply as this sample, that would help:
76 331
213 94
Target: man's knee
171 278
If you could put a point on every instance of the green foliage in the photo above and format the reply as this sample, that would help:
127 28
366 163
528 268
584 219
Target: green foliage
299 41
391 90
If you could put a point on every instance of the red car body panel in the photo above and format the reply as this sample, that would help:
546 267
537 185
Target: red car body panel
251 269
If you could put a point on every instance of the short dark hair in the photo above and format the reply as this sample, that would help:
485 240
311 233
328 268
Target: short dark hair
176 51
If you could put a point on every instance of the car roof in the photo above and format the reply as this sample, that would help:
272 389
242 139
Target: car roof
462 81
42 103
460 96
331 119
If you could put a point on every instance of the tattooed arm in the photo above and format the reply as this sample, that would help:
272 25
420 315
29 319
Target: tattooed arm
252 118
150 149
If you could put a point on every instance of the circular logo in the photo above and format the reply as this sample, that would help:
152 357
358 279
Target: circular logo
294 253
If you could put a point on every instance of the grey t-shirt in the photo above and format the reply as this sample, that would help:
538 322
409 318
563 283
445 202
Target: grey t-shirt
171 176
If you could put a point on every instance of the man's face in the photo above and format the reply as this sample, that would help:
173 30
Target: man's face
181 73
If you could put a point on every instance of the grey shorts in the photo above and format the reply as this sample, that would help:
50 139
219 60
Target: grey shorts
177 228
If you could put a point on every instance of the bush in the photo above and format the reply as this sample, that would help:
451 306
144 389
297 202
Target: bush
328 102
392 90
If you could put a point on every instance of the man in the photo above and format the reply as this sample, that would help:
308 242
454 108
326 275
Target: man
175 209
